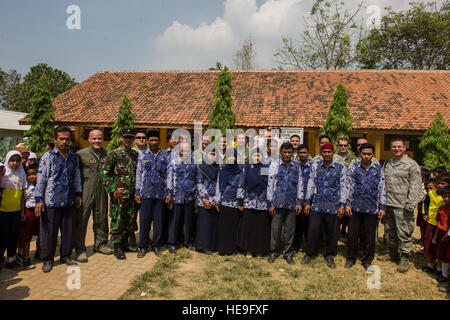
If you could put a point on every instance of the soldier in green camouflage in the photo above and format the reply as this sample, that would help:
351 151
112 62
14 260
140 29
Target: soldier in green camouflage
119 179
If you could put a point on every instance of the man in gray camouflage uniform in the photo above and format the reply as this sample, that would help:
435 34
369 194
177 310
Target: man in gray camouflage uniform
403 192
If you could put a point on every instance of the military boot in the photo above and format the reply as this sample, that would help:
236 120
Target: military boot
403 266
126 246
118 251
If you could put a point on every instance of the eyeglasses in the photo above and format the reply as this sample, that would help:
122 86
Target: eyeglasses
141 138
343 145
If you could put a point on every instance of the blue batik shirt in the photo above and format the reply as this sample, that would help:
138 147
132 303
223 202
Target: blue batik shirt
151 175
249 198
228 197
58 181
366 191
284 189
306 172
181 180
206 188
326 187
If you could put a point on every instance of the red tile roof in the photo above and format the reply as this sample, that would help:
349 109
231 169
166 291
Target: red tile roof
377 99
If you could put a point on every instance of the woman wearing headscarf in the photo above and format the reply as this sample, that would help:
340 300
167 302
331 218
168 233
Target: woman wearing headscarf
206 182
227 205
254 228
12 203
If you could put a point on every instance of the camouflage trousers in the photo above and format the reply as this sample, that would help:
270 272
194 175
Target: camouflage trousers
399 226
123 219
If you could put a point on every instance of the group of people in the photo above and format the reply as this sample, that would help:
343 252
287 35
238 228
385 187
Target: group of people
267 205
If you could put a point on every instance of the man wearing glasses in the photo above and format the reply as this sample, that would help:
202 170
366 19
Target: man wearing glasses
347 157
359 142
140 142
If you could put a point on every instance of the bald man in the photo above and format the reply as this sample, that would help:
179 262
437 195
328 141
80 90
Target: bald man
94 199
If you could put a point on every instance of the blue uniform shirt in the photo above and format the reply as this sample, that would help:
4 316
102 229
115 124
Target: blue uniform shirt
285 185
366 192
228 197
249 198
151 175
326 187
181 180
59 181
306 172
206 188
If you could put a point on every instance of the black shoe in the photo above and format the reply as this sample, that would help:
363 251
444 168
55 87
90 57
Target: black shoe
126 246
349 264
306 259
441 279
429 270
141 252
157 251
13 265
172 250
118 252
289 260
330 263
208 252
272 257
47 266
68 261
191 247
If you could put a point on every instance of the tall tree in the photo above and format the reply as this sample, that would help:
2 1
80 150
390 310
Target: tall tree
125 119
40 117
244 57
217 67
18 97
329 40
8 80
435 144
339 120
417 38
222 117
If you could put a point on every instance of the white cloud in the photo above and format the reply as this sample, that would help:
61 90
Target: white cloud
185 47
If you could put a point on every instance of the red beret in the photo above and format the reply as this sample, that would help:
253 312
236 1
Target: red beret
327 146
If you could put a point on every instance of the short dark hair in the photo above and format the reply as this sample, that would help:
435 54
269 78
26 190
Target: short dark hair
286 145
31 167
153 133
367 146
443 177
430 181
294 135
169 134
397 139
424 171
51 145
325 136
440 169
140 131
303 146
62 129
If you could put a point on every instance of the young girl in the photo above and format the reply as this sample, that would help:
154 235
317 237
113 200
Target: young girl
11 208
254 229
227 205
431 205
30 223
442 217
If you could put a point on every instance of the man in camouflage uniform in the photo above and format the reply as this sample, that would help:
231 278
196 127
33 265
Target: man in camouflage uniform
119 178
94 197
403 192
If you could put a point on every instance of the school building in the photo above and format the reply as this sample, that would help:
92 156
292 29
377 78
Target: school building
383 103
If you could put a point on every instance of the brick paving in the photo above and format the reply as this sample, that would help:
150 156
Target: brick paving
101 278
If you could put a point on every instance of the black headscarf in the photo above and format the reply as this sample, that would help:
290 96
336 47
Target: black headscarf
228 171
256 181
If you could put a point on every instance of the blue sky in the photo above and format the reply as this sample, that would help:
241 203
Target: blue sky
147 34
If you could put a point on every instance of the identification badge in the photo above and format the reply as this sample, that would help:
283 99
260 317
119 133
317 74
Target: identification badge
93 160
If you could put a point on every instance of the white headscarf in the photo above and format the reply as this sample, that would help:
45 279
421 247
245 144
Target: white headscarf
13 179
32 156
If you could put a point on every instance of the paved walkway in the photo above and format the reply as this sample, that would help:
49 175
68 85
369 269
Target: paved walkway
102 277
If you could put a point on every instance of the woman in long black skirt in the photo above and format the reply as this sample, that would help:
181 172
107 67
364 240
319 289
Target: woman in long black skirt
207 213
254 228
227 205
